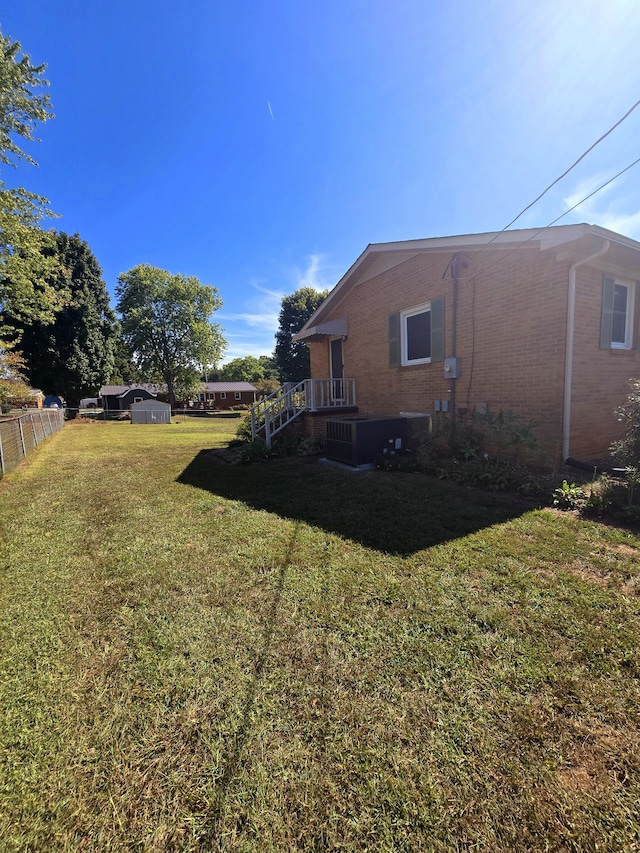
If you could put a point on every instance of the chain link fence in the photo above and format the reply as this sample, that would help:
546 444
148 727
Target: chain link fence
20 436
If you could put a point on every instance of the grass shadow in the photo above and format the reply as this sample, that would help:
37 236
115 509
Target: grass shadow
212 824
390 512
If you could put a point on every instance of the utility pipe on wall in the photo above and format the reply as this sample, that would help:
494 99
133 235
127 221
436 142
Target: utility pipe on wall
568 361
454 334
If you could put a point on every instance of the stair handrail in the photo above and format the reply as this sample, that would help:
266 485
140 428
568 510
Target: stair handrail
282 406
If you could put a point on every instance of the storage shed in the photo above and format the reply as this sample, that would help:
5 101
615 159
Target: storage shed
150 412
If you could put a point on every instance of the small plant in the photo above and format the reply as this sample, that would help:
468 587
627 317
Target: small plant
569 496
400 460
511 435
255 451
601 494
244 429
308 445
494 475
627 449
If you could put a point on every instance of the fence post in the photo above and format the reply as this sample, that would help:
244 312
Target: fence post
33 430
1 454
24 448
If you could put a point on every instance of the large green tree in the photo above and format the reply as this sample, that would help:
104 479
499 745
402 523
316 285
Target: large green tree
28 260
249 369
22 105
292 357
25 269
73 355
166 322
124 370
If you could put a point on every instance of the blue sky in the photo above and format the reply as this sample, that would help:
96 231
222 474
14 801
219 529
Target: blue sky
260 146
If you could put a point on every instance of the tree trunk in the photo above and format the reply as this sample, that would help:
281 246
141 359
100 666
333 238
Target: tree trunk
171 391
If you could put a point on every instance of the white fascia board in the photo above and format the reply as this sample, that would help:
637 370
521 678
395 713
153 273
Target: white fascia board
542 238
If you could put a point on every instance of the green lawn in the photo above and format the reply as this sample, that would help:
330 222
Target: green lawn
197 656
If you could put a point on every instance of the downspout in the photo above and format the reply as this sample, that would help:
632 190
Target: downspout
454 333
568 361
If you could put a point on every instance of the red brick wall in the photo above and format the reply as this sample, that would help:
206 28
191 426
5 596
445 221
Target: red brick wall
510 341
600 376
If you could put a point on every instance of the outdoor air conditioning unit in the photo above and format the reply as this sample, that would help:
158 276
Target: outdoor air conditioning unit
357 440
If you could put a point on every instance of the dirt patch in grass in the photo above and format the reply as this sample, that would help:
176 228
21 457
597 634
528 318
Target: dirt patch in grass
601 759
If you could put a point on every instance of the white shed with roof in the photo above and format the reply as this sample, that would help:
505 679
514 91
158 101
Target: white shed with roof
150 412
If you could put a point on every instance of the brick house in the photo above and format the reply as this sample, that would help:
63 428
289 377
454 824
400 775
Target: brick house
541 322
211 395
226 395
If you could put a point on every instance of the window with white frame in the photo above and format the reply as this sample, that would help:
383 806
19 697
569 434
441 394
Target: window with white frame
415 333
223 395
622 319
618 306
237 395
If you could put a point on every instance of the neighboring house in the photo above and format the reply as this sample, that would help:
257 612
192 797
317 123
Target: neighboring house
213 395
118 398
540 322
226 395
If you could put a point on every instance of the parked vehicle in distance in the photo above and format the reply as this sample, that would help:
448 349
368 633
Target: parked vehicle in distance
89 403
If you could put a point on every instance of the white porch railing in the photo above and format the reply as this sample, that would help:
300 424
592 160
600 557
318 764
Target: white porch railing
282 407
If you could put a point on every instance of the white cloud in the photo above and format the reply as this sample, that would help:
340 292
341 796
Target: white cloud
252 331
316 275
599 210
264 310
585 188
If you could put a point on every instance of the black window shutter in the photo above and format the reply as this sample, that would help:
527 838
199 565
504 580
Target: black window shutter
606 321
394 340
437 329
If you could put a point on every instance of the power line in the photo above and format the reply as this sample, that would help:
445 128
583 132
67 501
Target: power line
553 221
566 172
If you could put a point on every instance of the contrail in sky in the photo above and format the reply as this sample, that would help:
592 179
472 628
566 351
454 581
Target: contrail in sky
270 110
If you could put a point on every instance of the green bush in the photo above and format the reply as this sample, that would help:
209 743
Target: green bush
569 496
627 450
244 429
255 451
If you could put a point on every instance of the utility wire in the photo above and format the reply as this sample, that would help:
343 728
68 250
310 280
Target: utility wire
566 172
553 221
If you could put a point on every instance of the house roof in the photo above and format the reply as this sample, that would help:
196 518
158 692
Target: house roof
571 242
160 388
228 386
120 390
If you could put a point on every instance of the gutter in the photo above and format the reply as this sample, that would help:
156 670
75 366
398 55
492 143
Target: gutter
568 361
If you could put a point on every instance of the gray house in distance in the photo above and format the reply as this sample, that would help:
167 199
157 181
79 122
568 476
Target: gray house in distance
118 398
